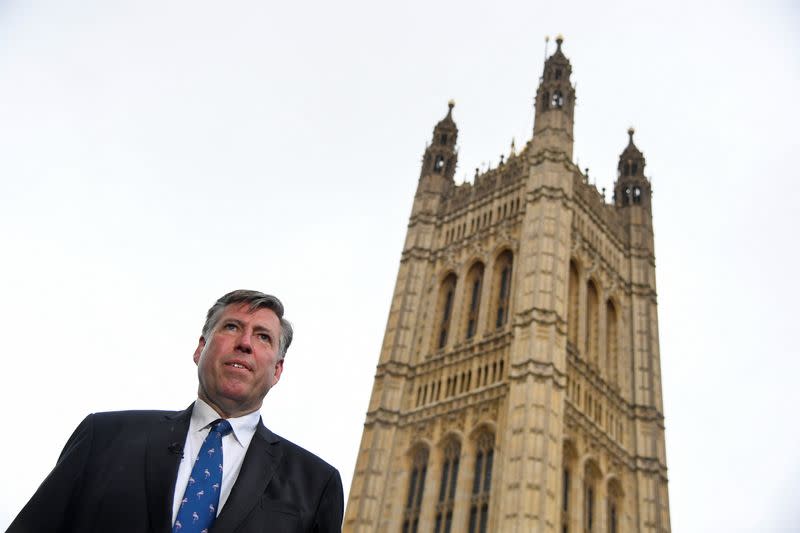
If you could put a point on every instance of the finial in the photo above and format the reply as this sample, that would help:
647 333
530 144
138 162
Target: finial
546 42
513 148
559 40
502 157
631 131
451 103
476 172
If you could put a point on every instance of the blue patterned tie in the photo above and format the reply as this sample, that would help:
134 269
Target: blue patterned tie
200 500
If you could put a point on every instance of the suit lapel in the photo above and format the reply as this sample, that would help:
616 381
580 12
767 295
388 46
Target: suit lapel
164 445
258 468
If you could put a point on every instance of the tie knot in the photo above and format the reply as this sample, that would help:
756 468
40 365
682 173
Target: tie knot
223 427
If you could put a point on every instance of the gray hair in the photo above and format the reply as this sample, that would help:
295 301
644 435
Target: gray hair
256 300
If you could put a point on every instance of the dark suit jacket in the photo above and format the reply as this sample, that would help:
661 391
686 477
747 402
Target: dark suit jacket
117 474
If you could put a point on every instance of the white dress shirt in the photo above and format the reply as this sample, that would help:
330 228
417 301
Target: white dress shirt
234 446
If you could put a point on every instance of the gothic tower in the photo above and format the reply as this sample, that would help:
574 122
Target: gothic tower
518 387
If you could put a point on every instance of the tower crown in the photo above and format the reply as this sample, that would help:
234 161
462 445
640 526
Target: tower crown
557 66
555 103
632 187
441 155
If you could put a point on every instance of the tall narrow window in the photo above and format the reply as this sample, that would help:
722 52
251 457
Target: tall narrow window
572 303
416 485
591 321
474 283
438 164
611 342
569 458
590 477
446 295
612 517
481 484
614 492
502 288
589 508
447 487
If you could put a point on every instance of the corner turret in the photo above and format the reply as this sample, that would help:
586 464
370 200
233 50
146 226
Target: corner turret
555 105
632 187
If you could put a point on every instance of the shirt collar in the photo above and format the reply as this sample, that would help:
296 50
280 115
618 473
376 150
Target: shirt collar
244 427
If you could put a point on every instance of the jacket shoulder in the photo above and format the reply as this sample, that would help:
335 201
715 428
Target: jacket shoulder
300 454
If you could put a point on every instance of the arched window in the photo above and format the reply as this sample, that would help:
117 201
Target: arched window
592 314
558 100
481 484
416 485
569 458
447 487
473 300
446 295
572 303
590 477
546 101
611 341
502 288
614 492
438 164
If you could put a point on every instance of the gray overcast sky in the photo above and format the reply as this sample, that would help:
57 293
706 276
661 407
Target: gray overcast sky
154 155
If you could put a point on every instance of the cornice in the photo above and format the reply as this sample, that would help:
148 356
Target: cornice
464 351
546 317
576 419
463 401
394 369
587 372
539 370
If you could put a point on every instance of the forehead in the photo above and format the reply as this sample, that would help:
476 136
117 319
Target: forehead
262 317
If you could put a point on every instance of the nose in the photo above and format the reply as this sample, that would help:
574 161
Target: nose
243 342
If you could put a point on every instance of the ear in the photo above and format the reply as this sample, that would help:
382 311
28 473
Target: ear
200 345
278 370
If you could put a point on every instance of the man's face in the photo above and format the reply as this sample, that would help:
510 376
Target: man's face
238 363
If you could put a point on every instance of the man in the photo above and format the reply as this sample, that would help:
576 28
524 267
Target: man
213 467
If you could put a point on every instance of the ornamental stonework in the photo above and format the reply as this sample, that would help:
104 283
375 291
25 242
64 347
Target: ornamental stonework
528 359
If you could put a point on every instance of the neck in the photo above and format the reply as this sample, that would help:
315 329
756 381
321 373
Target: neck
225 412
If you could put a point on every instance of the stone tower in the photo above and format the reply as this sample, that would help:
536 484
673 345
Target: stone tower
518 387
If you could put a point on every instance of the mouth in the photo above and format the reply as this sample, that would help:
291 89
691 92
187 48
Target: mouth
241 365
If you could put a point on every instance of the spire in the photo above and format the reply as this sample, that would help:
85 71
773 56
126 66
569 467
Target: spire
632 187
555 103
441 156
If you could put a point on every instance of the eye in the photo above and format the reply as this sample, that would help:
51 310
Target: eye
230 326
263 337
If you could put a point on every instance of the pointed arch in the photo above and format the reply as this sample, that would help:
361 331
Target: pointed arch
569 461
447 293
451 456
614 501
591 477
481 483
501 289
572 304
472 302
416 485
592 320
612 342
